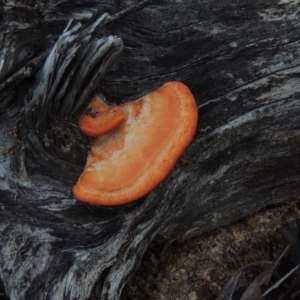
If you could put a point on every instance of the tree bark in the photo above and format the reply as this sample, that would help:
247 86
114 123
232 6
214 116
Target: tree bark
241 61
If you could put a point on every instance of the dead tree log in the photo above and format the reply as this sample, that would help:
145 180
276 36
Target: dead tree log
241 61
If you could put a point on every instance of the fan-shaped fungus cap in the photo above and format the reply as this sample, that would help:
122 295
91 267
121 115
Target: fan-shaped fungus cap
144 140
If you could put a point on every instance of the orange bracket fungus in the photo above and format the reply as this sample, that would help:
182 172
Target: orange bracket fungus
135 145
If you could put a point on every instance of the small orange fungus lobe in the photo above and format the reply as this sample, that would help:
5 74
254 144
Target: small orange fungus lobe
101 118
135 145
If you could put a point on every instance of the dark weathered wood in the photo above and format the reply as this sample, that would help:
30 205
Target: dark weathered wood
241 61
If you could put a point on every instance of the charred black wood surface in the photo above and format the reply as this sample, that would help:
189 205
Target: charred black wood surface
241 61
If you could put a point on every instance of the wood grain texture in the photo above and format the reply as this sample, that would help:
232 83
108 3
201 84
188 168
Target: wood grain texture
241 61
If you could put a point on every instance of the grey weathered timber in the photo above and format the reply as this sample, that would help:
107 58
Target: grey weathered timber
241 61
